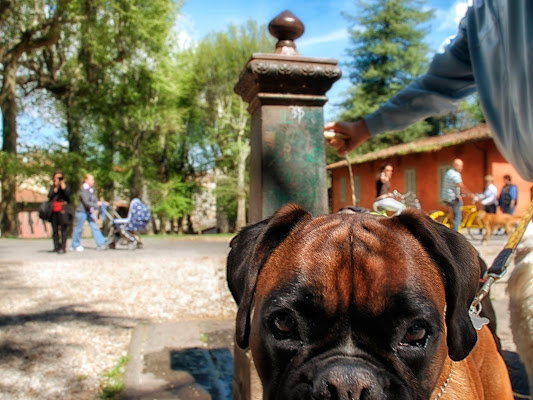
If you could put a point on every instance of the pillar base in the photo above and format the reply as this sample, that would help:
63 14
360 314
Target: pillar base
246 382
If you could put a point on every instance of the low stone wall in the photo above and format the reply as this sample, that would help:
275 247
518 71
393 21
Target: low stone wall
30 226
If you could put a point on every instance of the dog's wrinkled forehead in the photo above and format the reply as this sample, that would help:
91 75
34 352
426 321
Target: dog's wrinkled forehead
349 259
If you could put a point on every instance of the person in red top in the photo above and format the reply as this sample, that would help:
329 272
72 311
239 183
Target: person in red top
59 196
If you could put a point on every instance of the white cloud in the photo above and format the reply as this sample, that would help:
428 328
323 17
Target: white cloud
335 36
450 18
184 31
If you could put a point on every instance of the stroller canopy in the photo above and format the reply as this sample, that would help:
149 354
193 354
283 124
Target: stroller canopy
138 216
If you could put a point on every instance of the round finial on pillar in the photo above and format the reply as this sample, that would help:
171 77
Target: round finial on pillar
286 27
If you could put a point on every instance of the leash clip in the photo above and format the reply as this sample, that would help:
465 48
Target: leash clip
474 314
476 307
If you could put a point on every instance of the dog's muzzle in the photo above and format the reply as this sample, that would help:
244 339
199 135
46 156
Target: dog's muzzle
347 381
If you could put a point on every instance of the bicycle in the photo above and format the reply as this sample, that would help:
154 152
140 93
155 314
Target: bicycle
469 220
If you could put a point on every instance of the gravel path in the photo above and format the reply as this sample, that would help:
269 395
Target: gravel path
65 320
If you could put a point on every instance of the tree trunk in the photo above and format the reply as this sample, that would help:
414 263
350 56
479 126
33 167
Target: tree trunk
180 225
136 181
244 150
8 104
222 220
154 226
190 229
162 225
73 126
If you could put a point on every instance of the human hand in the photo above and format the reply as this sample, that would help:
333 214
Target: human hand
352 134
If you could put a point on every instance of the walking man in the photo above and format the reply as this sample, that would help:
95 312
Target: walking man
452 188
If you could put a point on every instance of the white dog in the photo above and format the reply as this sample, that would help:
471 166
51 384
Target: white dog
520 290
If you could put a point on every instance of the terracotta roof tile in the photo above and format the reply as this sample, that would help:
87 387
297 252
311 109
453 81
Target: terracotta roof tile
426 144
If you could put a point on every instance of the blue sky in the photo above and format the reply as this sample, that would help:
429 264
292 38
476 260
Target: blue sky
325 28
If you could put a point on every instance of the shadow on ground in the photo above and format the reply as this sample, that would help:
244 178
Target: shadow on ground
72 312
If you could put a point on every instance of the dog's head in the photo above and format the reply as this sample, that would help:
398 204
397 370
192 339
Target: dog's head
352 304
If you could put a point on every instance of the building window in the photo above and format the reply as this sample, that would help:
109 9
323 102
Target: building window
410 180
342 190
344 184
443 168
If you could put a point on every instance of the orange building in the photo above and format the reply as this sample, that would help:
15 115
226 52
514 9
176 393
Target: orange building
420 166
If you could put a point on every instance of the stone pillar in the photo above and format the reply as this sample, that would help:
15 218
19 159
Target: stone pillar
286 94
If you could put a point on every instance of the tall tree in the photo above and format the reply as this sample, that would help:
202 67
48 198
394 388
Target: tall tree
25 27
220 59
388 52
101 67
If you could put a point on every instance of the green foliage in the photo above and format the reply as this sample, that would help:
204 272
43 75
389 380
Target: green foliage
219 59
112 384
172 199
9 164
219 119
138 113
388 51
226 193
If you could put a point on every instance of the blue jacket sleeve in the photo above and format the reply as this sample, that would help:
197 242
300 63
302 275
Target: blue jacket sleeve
448 79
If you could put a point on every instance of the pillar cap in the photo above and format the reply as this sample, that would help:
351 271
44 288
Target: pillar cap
286 27
289 77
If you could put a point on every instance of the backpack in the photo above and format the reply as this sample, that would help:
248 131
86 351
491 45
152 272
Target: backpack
505 195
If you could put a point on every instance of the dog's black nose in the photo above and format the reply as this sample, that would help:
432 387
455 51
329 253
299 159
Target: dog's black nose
347 382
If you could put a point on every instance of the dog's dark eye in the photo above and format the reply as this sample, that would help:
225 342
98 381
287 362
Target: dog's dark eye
416 335
284 326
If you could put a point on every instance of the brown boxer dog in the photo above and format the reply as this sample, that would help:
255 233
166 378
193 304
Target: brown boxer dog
357 306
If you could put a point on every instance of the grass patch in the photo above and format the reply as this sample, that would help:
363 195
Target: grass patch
204 338
112 383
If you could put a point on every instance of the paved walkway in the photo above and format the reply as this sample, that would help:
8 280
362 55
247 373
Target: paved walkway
154 247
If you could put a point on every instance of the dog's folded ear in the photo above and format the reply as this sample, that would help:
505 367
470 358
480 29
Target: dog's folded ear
459 268
250 250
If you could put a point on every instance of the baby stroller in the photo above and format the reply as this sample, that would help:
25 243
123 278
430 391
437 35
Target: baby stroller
124 230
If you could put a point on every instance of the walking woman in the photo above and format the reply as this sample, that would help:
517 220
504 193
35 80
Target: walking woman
85 212
59 196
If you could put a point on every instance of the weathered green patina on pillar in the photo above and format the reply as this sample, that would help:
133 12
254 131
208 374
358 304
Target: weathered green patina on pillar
286 94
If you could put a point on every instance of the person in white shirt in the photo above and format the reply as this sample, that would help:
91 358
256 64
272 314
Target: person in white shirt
489 198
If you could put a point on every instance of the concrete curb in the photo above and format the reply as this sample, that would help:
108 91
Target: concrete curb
180 360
